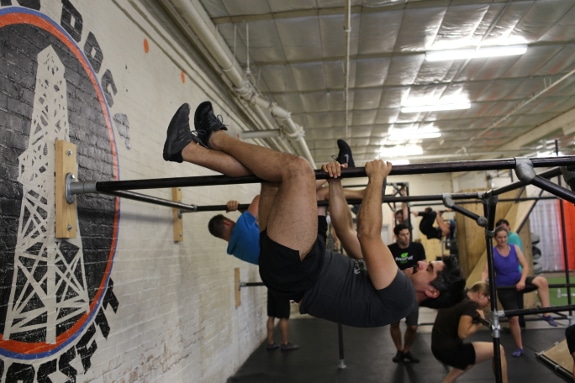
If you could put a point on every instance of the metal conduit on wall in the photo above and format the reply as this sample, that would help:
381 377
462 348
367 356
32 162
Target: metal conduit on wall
204 29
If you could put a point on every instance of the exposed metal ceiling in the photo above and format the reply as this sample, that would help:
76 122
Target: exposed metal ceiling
344 68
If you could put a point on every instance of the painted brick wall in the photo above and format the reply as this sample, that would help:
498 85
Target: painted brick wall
171 314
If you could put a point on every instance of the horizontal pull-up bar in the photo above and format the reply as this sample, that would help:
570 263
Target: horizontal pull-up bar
535 310
434 197
216 180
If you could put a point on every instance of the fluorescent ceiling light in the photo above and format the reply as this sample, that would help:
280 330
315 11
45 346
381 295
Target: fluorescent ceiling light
413 133
435 107
387 152
548 154
472 53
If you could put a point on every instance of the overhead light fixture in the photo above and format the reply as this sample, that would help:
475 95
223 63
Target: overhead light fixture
435 107
400 151
413 133
472 53
548 154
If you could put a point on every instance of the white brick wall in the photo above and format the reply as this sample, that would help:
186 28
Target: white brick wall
176 320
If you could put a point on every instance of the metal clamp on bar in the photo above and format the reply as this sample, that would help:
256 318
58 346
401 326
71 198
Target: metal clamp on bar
448 202
495 324
524 169
73 187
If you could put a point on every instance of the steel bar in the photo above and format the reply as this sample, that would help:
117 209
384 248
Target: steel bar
340 343
355 201
489 209
516 185
551 286
554 188
251 284
537 310
151 199
521 199
428 168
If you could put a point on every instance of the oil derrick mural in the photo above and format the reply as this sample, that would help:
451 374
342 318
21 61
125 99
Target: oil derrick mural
49 290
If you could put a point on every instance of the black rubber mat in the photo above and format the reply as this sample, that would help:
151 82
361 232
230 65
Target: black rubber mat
368 354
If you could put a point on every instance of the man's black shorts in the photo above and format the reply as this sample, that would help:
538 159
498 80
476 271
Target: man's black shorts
282 270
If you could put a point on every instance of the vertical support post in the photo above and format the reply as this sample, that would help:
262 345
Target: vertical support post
66 212
489 209
237 287
340 338
177 214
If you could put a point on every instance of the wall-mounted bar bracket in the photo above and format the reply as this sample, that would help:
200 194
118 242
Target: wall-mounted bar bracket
66 167
177 215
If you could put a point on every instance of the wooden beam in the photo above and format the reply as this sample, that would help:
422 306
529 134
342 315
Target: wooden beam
66 213
237 287
178 224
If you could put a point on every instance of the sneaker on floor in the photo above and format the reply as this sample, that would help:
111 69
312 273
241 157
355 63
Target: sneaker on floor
410 358
289 347
206 123
344 156
398 357
272 346
549 319
179 135
517 353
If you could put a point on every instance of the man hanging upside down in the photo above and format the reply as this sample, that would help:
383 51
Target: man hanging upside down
293 260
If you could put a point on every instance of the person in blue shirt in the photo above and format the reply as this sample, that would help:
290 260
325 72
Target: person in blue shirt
243 237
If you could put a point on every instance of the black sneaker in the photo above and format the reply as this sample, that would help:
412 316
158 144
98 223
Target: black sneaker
409 357
272 346
179 135
344 156
398 357
206 122
289 347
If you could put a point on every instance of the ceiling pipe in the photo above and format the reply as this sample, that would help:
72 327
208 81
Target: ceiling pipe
261 134
197 18
347 30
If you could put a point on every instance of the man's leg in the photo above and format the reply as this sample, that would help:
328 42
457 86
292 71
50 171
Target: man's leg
183 145
380 263
292 220
409 338
270 333
267 200
395 332
214 160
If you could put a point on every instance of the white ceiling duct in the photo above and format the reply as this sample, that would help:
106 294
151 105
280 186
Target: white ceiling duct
194 15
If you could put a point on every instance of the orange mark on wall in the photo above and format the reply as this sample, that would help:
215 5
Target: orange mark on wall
146 46
183 77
